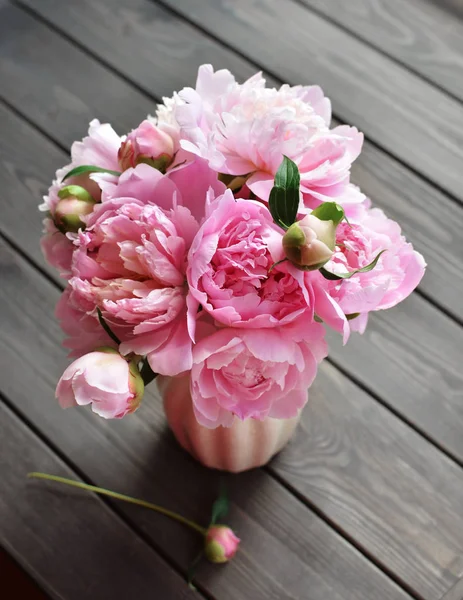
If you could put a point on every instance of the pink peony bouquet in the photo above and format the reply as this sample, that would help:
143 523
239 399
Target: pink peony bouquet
219 238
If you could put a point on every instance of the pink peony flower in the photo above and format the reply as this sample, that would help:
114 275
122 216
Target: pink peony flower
220 544
83 331
103 379
397 273
149 144
57 248
99 148
255 373
246 129
230 270
131 262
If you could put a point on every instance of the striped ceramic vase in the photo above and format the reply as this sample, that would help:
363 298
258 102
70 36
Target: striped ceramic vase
244 445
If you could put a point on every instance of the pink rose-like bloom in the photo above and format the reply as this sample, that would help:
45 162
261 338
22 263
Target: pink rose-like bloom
220 544
83 331
99 148
149 143
397 273
103 379
131 262
229 268
246 129
57 248
255 373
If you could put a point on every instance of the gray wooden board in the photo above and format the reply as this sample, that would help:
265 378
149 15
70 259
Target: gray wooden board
456 593
73 545
27 321
419 33
398 110
431 220
411 357
406 385
379 462
380 481
138 457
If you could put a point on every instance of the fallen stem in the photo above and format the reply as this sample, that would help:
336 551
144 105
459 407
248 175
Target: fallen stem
123 497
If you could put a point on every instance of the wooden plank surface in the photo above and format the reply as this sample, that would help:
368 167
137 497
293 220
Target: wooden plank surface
405 385
381 482
420 34
385 488
77 548
413 564
138 457
411 357
430 219
456 593
392 106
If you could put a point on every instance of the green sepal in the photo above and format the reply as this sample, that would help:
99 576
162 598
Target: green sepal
352 316
89 169
329 211
334 276
221 506
75 191
284 198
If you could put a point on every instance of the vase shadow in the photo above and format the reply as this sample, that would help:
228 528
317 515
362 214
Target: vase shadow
172 478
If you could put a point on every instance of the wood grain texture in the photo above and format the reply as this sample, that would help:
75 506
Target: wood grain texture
137 456
72 543
431 221
434 226
456 593
392 106
411 357
28 67
420 34
454 7
380 481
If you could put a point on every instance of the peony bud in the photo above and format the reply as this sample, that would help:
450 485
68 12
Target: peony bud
221 544
310 243
104 379
75 202
147 144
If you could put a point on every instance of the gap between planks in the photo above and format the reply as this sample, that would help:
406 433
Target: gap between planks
207 33
80 475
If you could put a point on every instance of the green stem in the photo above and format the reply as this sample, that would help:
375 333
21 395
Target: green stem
123 497
107 328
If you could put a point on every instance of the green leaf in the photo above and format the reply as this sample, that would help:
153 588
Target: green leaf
329 211
89 169
106 327
284 197
220 506
147 373
192 570
352 316
317 319
335 276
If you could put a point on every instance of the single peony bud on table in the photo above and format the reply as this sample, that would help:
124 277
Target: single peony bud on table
104 379
310 243
220 544
75 202
147 144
